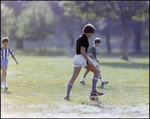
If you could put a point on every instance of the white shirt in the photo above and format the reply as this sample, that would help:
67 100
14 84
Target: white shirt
5 53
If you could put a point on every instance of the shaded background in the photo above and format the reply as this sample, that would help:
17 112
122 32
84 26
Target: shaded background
50 28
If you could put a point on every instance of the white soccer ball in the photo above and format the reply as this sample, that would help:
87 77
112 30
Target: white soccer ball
94 97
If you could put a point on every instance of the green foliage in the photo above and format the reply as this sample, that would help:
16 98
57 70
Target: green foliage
123 10
35 22
7 20
127 10
107 9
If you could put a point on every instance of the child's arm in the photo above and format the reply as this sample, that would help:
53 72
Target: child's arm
93 57
12 55
85 56
15 59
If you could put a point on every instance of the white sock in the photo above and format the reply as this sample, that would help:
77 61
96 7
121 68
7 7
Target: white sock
5 83
82 78
101 79
1 84
84 75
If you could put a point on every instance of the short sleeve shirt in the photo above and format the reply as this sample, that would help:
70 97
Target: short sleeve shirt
82 40
93 51
5 53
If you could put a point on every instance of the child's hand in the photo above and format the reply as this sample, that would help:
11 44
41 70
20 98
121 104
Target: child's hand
17 63
97 60
90 63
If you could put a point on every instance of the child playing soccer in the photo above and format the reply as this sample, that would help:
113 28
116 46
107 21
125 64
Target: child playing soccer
5 52
81 60
93 59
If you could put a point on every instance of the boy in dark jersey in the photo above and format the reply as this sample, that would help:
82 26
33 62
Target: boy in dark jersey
81 60
94 60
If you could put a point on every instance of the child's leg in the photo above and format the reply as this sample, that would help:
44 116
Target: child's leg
73 78
84 75
101 79
3 76
100 75
95 77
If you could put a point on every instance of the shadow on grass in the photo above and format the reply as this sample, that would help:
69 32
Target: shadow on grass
126 65
98 104
108 87
118 55
6 92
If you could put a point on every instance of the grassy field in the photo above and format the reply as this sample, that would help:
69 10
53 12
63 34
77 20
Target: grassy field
37 87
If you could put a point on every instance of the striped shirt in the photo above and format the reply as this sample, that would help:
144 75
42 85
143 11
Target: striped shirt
5 53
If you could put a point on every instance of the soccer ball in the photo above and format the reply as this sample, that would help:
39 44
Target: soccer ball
94 97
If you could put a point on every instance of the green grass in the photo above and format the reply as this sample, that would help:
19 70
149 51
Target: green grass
38 84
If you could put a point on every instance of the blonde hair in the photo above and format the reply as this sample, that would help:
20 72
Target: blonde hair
5 39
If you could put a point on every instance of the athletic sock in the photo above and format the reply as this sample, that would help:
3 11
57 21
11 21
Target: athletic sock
100 77
5 84
69 89
84 76
1 84
94 82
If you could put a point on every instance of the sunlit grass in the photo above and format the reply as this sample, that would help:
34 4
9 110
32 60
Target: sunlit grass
39 84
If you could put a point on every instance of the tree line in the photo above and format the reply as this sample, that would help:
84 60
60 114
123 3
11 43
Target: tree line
37 20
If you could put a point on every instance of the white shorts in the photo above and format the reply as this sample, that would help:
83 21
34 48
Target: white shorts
93 61
79 61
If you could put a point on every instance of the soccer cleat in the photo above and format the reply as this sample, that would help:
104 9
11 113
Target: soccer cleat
82 82
96 93
5 88
105 82
66 98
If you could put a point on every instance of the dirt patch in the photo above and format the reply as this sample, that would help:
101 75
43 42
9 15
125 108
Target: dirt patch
85 110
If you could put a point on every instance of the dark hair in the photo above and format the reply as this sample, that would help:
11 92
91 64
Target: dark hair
5 39
89 28
97 40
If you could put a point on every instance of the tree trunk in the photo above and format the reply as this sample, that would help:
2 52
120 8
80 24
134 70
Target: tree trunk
70 49
19 44
108 35
108 42
137 36
71 40
124 45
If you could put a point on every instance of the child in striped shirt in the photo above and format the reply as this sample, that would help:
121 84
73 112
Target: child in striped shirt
5 52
